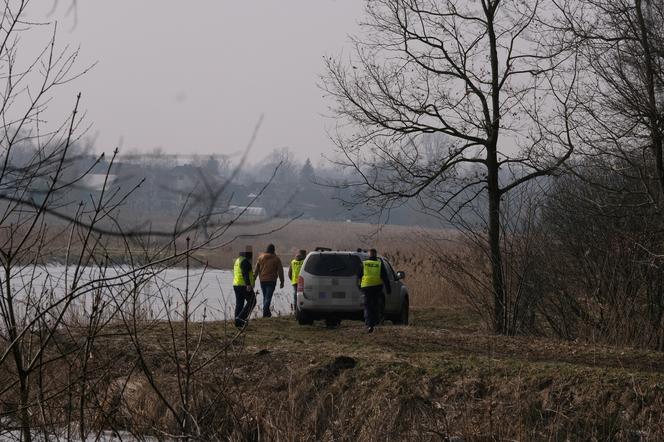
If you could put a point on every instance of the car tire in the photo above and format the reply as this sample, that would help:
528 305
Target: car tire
303 318
402 317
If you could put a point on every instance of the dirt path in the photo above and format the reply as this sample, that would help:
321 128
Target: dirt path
428 337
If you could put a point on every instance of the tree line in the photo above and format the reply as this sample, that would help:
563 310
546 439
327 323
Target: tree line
545 118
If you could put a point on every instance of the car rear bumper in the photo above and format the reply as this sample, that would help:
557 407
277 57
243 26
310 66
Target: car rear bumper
317 306
334 314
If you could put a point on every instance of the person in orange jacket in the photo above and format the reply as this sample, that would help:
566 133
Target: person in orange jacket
268 269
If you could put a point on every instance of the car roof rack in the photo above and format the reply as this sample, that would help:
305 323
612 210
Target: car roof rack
328 249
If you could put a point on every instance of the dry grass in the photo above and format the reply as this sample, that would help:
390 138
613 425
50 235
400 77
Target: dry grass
439 378
436 379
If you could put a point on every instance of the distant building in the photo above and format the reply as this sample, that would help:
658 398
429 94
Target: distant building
245 213
95 181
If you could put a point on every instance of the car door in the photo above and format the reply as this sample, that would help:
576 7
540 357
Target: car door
393 299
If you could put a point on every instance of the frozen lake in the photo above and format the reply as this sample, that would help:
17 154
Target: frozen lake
210 292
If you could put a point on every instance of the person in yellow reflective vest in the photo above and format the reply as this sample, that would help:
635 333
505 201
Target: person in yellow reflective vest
243 286
372 278
294 273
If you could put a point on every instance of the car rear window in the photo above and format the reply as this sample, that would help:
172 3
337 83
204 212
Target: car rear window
323 264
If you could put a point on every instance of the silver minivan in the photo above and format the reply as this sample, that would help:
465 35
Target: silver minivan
328 289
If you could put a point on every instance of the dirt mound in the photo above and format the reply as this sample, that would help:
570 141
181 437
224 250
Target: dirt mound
340 363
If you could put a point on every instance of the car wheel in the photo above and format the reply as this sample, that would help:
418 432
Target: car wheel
303 318
402 317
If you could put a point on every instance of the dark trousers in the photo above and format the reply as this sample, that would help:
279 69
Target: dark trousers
268 290
245 301
373 303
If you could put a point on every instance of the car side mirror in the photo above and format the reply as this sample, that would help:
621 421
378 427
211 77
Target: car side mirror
401 275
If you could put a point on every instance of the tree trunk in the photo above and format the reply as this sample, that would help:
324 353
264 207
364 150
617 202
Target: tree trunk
653 114
493 126
497 284
26 427
17 354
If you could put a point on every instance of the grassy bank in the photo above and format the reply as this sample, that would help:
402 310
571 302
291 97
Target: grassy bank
440 377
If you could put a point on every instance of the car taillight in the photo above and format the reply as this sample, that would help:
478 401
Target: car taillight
300 284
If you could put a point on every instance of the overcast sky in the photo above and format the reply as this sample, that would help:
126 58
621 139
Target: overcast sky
195 76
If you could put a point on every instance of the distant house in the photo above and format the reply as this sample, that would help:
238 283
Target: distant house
245 213
95 181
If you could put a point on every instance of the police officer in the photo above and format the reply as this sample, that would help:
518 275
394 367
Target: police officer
372 277
243 286
294 273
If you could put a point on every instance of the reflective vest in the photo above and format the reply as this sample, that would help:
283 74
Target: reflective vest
237 273
296 266
371 273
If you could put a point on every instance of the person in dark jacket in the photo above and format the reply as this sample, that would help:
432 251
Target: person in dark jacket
373 277
243 286
268 270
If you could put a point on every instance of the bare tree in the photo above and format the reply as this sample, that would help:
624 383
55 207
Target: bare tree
609 210
481 81
620 99
57 325
595 276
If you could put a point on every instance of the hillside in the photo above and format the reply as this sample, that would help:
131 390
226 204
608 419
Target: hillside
438 378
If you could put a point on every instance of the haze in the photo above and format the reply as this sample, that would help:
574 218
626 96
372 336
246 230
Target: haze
195 77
